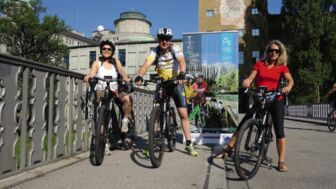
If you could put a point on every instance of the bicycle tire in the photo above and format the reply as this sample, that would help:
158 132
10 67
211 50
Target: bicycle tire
156 137
330 122
252 147
100 136
172 126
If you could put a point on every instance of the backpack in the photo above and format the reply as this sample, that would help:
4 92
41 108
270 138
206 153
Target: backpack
159 51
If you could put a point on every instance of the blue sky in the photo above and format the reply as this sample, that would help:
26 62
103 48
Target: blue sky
85 15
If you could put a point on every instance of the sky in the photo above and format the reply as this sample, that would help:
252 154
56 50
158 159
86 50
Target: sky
85 15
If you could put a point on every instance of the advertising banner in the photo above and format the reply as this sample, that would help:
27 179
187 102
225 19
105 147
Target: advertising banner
212 59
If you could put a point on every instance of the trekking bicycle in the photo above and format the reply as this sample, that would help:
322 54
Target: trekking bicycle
162 122
331 119
108 124
255 135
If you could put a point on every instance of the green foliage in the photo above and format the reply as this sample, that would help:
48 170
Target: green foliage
227 81
27 36
309 31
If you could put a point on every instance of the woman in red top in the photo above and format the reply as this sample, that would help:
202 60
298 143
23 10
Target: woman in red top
268 72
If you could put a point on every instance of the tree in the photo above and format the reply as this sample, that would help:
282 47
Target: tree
309 31
25 35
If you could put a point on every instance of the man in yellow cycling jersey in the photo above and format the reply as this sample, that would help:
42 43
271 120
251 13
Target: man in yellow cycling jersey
170 64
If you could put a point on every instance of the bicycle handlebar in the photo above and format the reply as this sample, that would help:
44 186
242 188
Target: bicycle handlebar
109 79
262 90
106 79
159 80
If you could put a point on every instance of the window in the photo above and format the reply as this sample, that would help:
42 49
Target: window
255 32
122 56
66 59
210 13
254 11
92 57
241 57
241 33
255 55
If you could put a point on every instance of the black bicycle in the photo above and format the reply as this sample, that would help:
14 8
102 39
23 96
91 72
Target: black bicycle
331 119
162 122
255 135
108 123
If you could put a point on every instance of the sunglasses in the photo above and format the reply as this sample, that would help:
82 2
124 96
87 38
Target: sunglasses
165 38
274 50
107 49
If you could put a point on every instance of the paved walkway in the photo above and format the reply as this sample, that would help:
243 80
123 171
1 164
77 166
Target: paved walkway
310 157
132 169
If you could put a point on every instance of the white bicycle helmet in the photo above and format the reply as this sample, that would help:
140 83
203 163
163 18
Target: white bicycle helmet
189 76
165 33
199 74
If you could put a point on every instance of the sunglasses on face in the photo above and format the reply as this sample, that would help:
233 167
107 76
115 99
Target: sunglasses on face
165 38
107 49
273 50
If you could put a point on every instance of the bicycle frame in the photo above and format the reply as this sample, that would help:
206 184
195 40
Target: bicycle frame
257 126
162 99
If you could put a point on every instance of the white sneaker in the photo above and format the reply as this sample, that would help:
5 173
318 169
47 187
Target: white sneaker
124 125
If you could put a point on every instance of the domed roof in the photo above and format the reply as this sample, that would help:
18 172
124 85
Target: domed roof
132 15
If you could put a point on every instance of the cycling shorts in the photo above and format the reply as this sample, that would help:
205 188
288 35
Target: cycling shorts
177 93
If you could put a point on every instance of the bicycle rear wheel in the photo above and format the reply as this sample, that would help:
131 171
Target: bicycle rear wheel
248 149
331 122
172 126
156 137
100 136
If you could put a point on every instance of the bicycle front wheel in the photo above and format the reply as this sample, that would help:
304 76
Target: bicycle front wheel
172 126
100 136
331 121
156 137
248 149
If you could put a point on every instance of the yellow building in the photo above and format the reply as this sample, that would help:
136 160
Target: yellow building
249 17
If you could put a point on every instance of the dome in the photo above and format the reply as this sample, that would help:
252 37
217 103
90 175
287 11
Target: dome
132 15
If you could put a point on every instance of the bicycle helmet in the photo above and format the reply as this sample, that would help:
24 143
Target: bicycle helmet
109 43
165 33
189 76
199 74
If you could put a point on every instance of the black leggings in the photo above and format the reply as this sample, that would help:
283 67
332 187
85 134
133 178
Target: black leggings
277 112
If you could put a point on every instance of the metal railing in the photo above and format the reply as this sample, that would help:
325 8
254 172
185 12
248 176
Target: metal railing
311 111
44 114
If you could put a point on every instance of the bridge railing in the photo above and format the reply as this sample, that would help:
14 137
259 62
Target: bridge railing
44 114
312 111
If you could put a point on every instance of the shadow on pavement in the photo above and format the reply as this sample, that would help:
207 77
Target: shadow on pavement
139 155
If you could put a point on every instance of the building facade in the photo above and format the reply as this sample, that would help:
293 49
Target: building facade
131 54
131 26
133 43
249 17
